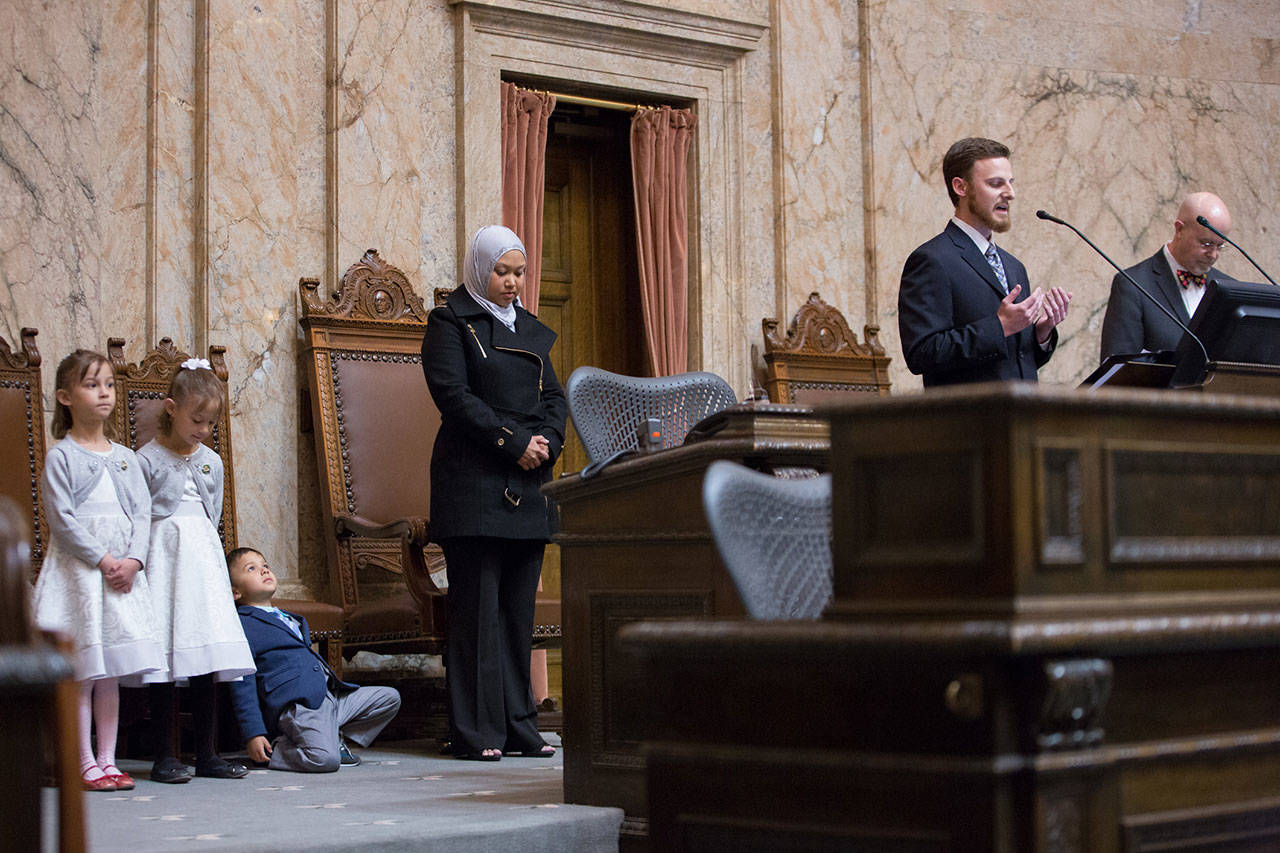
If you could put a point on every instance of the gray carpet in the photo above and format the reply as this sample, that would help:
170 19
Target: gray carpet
402 797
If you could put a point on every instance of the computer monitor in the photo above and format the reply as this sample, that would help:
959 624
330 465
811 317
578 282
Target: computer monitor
1237 321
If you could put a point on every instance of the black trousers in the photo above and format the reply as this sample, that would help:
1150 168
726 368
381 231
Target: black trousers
492 586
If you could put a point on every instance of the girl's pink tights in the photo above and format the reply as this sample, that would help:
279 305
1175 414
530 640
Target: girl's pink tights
100 704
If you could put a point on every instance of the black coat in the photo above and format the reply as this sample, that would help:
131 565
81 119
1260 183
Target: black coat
947 306
495 390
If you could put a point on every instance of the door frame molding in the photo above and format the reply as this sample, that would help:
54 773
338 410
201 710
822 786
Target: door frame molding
620 47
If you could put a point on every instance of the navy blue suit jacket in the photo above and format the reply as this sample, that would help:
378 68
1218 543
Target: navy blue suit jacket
289 671
947 305
1132 323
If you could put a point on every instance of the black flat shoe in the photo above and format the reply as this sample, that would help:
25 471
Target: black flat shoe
544 751
220 768
170 771
477 756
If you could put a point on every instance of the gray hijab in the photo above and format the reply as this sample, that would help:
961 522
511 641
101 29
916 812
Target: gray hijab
490 243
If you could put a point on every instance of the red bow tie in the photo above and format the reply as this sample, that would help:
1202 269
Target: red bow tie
1186 279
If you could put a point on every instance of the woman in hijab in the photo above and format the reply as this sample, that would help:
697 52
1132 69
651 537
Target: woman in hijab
502 415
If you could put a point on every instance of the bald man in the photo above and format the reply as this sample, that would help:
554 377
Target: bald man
1176 275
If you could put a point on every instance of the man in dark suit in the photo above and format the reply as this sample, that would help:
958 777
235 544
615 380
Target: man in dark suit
1175 275
294 697
965 310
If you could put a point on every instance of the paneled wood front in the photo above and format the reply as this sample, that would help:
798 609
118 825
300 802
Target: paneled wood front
635 546
1056 628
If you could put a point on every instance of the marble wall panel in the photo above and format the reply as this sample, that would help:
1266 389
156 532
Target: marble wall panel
266 228
72 174
173 204
396 133
820 209
1103 145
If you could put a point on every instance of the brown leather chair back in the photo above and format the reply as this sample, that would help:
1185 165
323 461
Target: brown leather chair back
140 393
374 426
22 443
820 359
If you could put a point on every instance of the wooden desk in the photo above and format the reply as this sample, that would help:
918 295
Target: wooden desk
1056 628
635 545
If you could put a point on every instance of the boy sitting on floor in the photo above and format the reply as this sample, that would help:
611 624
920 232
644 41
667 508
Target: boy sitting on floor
295 698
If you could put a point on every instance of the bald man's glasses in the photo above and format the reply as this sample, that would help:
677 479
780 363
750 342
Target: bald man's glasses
1209 244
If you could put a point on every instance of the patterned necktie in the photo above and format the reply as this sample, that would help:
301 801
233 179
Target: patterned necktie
287 620
1186 279
993 258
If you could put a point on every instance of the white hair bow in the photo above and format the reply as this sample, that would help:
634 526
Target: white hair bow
195 364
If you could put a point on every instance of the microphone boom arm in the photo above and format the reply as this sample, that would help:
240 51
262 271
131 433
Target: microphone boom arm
1174 317
1206 224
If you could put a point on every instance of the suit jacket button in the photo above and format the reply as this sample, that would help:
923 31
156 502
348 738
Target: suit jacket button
501 441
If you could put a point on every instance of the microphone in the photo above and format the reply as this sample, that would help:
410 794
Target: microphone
1172 316
1206 224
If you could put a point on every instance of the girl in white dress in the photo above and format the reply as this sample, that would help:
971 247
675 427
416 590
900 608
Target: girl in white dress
190 591
91 584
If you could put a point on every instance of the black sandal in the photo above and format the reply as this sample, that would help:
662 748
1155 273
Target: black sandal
544 751
478 756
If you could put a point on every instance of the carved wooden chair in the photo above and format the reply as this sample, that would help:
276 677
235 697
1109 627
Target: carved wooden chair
22 443
374 425
140 392
819 358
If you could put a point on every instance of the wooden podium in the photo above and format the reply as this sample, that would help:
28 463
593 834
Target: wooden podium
1056 627
635 545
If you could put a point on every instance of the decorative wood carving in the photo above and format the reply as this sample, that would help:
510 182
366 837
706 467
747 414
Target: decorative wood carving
371 290
1075 692
24 454
29 356
819 329
820 356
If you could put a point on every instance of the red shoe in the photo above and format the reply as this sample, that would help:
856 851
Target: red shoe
102 783
124 782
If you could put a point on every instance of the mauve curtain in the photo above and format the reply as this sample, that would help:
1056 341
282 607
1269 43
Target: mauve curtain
659 169
524 167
